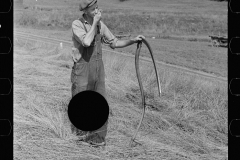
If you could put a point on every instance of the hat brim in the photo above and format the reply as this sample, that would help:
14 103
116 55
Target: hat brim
89 5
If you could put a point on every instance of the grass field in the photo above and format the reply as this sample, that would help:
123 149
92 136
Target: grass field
180 28
188 121
191 54
162 19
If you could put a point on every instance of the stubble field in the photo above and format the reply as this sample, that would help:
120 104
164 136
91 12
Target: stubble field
189 121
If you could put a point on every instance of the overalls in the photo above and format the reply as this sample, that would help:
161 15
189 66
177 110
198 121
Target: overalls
88 74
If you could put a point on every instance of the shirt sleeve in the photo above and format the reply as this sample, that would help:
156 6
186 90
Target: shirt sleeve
78 30
108 38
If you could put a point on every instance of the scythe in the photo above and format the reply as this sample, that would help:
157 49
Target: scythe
139 45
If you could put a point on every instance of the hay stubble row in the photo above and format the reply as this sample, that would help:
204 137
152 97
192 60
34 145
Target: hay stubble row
42 92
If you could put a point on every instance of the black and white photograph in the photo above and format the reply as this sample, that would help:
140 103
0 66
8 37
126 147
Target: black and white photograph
120 79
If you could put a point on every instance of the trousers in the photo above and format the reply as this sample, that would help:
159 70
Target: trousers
90 76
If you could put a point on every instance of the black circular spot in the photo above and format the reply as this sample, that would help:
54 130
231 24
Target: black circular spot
88 110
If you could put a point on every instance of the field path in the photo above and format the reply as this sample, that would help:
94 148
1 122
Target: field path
68 43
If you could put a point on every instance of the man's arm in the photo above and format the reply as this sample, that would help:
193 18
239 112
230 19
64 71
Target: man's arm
124 43
111 40
90 35
87 40
80 34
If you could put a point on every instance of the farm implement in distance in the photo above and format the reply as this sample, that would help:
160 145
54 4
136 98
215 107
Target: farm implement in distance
219 41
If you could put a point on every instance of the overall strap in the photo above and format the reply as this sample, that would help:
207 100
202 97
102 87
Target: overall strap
83 21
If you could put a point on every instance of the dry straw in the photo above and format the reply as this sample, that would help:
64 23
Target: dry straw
173 127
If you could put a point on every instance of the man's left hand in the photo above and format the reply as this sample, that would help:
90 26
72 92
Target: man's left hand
75 55
139 38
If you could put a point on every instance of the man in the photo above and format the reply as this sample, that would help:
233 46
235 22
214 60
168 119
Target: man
89 32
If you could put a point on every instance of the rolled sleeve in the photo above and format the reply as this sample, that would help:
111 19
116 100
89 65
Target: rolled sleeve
78 30
108 38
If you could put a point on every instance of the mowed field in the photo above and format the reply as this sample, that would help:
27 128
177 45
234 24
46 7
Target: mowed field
188 121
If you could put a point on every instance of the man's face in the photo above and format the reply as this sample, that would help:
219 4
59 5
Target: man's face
92 10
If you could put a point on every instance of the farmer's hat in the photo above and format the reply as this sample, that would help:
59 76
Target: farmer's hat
86 3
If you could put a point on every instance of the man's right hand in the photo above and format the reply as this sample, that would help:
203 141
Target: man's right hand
97 17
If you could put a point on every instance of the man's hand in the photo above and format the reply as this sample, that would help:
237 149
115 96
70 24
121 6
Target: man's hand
75 55
97 16
138 38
